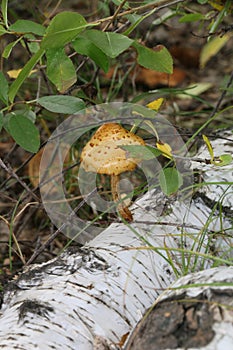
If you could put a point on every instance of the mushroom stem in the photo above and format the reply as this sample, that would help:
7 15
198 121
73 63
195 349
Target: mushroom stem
114 187
122 209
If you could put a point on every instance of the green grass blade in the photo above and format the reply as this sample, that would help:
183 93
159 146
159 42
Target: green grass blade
4 12
24 74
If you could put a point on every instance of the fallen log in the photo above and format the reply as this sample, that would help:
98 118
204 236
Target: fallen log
92 297
195 313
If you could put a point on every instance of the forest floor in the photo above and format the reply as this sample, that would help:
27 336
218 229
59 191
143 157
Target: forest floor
23 223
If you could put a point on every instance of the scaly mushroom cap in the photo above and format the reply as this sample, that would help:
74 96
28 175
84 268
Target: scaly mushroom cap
102 153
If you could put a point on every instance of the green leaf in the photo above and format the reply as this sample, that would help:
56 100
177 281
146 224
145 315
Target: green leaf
28 113
86 47
60 69
32 43
170 180
158 59
61 104
224 159
2 30
9 47
141 152
135 20
119 2
24 74
191 17
24 133
63 28
1 121
26 26
3 88
112 44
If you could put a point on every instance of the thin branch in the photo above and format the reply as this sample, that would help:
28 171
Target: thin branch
115 14
11 172
159 5
59 230
216 108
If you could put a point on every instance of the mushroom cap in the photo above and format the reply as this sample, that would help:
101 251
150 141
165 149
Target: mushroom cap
102 153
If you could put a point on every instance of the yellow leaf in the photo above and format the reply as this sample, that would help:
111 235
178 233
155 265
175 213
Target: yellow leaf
156 104
15 72
219 4
216 5
212 48
209 146
194 90
165 148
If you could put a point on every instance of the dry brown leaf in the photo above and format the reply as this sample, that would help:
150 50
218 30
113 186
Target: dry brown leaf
153 78
186 55
33 168
34 165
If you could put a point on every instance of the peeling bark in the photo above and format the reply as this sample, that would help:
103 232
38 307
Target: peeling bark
91 298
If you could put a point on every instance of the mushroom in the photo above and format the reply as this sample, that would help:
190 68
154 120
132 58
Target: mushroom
103 155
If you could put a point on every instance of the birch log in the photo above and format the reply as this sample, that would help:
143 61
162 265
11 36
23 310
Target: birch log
196 313
91 298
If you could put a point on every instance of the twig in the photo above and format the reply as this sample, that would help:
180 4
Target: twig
11 172
55 234
18 251
218 104
51 14
115 14
216 108
159 5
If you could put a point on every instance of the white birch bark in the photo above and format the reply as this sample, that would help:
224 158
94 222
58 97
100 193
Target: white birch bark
211 173
198 316
91 297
